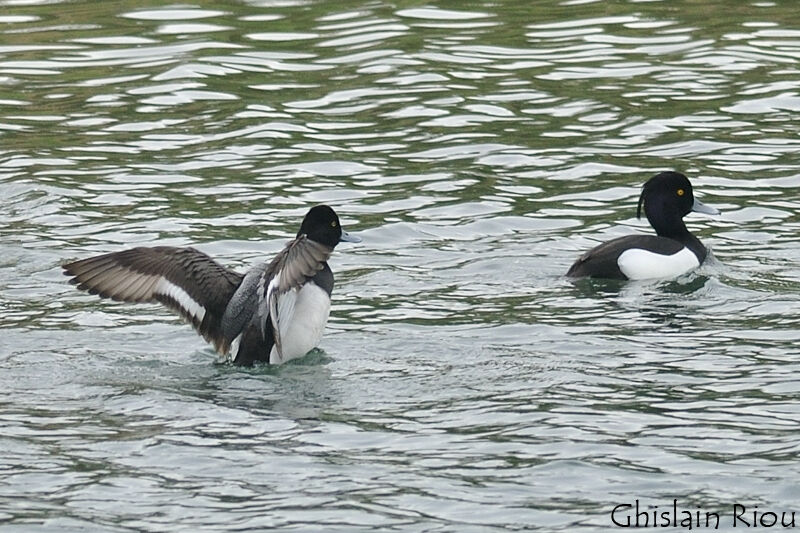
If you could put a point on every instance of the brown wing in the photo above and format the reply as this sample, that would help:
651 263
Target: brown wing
301 259
184 279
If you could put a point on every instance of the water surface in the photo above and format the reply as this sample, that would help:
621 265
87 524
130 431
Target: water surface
463 383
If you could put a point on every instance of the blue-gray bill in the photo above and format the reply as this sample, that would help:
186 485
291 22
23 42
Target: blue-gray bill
347 237
700 207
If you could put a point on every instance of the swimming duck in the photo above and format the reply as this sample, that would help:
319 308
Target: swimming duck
667 197
275 312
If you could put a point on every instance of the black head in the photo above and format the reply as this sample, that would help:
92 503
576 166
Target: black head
666 191
321 224
667 197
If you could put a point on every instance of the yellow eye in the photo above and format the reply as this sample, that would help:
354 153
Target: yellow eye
680 192
333 224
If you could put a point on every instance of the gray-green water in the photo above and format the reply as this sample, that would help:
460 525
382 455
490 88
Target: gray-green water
463 384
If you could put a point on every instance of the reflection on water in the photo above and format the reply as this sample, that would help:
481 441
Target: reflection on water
463 383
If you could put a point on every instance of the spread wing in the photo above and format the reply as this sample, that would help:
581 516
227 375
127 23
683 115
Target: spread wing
298 262
184 279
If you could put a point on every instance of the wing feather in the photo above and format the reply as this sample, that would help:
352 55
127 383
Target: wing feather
184 279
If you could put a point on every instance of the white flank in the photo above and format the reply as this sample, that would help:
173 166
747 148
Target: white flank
183 299
302 315
642 264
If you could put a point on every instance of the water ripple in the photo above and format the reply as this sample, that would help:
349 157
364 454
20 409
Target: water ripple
463 383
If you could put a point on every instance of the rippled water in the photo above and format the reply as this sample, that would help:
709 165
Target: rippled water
463 384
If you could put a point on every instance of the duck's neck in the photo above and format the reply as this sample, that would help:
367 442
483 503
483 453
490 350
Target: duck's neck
668 225
671 226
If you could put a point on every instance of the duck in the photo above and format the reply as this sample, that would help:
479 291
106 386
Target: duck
273 313
666 197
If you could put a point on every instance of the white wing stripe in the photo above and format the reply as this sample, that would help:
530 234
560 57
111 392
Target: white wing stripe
273 309
233 353
182 298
